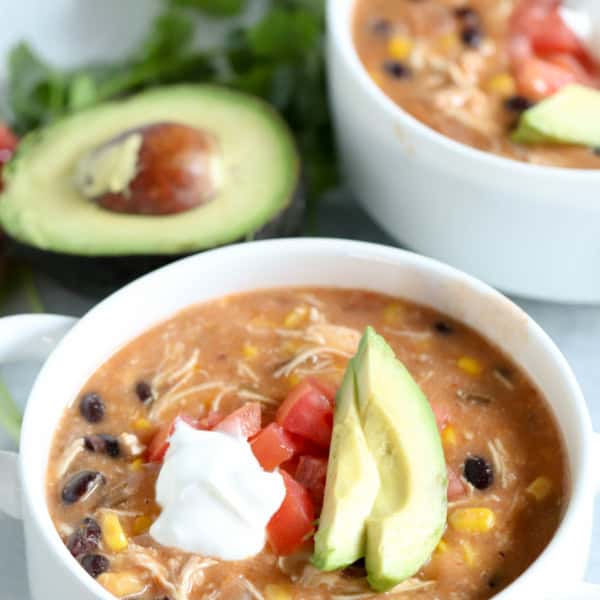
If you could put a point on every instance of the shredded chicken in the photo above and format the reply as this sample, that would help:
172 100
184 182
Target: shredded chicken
70 453
191 575
131 445
311 353
163 403
499 457
245 370
250 395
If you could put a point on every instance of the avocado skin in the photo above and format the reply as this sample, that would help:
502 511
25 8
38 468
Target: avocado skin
99 276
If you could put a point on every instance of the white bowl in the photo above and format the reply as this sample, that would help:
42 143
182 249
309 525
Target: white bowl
53 573
529 230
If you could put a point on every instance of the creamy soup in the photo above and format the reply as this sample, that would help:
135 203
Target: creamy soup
244 355
449 64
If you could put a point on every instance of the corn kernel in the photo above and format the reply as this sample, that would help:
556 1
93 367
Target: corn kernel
295 317
294 379
122 584
136 465
276 592
448 43
469 365
142 424
112 532
449 436
540 488
442 547
472 520
468 553
393 313
141 524
399 47
249 351
502 84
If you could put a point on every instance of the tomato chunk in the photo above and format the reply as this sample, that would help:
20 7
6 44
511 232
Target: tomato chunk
456 488
8 144
273 446
159 444
212 419
307 412
312 473
243 422
293 523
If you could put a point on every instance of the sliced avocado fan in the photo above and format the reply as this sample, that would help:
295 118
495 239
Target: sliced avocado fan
571 116
386 492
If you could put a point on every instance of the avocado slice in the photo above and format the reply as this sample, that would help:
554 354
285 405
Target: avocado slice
409 514
352 485
568 117
400 511
42 207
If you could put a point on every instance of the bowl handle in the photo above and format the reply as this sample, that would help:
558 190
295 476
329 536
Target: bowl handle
22 338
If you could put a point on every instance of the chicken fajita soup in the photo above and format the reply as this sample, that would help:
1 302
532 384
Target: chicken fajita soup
307 443
498 75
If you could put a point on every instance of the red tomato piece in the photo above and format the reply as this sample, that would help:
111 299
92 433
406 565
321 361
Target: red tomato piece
293 523
307 412
312 473
456 487
8 140
325 387
243 422
553 35
538 79
159 444
272 446
210 420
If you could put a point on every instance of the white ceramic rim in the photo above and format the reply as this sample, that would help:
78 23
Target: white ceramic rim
338 20
582 480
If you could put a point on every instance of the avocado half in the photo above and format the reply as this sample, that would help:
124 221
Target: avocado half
96 250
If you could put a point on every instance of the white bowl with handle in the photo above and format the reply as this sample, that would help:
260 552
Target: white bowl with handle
529 230
53 573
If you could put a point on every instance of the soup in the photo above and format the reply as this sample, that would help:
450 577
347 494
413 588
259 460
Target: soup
448 63
231 359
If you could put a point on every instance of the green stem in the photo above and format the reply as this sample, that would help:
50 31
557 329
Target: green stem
10 416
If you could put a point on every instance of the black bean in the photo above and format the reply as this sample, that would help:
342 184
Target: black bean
95 564
355 570
144 392
443 328
471 36
103 444
396 69
517 104
80 485
478 472
467 15
381 27
91 407
85 538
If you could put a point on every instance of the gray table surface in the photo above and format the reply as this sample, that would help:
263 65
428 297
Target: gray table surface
575 329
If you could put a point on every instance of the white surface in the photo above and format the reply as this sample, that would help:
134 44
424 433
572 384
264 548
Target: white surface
528 229
202 468
314 262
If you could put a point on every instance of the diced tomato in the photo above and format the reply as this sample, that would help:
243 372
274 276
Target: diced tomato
160 441
212 419
243 422
538 79
312 473
325 387
272 446
456 488
307 412
8 143
293 523
552 35
291 465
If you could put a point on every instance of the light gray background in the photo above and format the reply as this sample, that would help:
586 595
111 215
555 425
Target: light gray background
575 329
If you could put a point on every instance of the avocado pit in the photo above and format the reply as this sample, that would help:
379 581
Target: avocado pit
158 169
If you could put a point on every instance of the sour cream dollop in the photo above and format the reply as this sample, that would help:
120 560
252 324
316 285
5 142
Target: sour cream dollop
216 499
583 19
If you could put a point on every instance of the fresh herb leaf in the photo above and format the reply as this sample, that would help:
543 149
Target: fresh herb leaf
214 7
10 416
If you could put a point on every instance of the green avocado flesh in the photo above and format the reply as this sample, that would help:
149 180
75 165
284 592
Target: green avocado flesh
571 116
386 492
41 206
